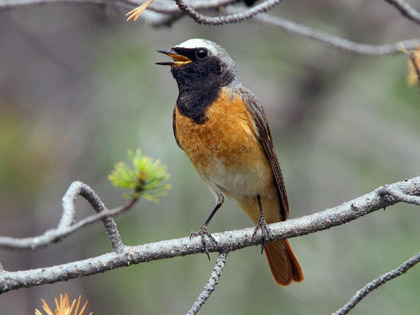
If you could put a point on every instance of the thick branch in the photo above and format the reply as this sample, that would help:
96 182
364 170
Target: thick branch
383 197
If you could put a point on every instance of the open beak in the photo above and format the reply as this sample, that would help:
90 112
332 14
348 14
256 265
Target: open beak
179 60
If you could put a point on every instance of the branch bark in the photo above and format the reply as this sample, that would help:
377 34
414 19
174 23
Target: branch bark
407 191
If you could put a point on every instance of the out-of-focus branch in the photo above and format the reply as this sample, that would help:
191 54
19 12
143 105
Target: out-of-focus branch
335 41
163 13
383 197
361 294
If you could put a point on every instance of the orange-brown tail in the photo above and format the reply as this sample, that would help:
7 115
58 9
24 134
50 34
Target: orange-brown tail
283 262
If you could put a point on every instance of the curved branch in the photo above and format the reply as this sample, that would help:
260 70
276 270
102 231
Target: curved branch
232 18
66 226
227 241
172 7
361 294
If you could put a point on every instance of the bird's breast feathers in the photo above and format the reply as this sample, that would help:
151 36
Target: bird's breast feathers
225 149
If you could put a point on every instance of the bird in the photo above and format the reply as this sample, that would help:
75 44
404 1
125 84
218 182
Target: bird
223 129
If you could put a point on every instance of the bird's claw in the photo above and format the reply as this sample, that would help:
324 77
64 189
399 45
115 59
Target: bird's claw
203 232
265 231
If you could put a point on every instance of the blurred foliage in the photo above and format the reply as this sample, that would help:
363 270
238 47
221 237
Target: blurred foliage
78 86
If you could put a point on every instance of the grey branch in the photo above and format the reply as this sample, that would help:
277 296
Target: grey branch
361 294
211 284
232 18
385 196
67 226
163 13
406 10
338 42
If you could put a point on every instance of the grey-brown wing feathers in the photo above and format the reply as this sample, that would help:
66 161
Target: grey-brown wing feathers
265 138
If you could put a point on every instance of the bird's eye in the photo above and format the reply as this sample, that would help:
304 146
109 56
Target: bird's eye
201 53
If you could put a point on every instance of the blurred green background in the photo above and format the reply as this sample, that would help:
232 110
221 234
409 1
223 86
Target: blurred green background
78 87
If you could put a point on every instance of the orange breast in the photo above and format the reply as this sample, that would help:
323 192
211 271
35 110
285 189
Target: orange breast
225 149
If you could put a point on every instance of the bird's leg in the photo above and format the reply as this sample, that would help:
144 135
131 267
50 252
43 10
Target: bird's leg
262 224
202 232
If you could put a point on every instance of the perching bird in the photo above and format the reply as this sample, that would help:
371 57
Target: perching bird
223 130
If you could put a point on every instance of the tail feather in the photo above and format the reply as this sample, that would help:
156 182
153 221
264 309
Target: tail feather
283 262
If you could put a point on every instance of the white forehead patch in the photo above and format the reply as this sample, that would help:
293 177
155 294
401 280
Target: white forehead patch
198 42
193 43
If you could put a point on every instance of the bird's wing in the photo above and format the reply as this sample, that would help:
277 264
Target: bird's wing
264 136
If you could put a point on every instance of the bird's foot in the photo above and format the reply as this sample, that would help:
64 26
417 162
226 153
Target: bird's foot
203 233
265 231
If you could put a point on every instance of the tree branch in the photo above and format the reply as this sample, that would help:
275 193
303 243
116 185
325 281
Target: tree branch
232 18
237 14
166 13
361 294
211 284
66 226
385 196
335 41
406 10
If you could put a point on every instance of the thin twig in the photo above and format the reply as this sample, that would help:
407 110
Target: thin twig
361 294
238 14
170 7
211 284
232 18
335 41
227 241
406 10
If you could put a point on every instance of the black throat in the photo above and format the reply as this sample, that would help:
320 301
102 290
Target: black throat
199 85
195 99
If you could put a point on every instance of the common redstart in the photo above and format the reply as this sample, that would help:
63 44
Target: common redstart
224 131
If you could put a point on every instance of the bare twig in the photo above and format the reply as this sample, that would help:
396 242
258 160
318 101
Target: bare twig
66 226
232 18
227 241
406 10
335 41
170 6
361 294
211 284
